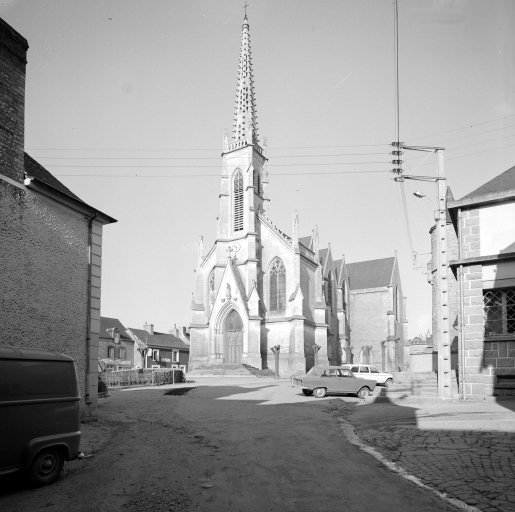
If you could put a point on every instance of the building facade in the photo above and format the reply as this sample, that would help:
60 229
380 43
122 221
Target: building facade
50 243
484 272
258 288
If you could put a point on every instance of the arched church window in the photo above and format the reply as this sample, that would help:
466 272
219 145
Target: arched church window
260 190
238 201
330 290
277 275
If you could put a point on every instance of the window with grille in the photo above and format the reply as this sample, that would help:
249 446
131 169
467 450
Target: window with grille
238 201
277 276
499 312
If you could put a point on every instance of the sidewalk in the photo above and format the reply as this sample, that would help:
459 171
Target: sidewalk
464 450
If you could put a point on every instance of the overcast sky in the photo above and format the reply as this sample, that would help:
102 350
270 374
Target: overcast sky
119 89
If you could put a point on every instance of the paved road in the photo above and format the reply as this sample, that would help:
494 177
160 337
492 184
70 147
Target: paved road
463 449
237 445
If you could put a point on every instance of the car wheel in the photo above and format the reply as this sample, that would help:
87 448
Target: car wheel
307 392
363 392
319 392
388 383
46 466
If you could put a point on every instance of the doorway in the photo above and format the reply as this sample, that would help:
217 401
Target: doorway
233 338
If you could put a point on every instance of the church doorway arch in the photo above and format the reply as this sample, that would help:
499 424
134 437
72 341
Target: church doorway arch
233 338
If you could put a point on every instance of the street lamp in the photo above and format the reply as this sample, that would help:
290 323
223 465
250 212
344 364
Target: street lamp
420 195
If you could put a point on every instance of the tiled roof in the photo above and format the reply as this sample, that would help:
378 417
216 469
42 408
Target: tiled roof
110 323
370 274
159 340
501 183
33 168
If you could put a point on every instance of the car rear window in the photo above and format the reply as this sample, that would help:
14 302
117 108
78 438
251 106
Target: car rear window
373 369
364 369
35 379
355 369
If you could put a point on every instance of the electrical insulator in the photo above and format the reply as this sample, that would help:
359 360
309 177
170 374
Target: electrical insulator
396 162
399 144
397 153
397 170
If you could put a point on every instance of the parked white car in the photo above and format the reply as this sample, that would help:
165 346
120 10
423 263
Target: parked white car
367 371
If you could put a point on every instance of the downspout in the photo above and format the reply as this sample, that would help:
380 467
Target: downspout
462 320
88 326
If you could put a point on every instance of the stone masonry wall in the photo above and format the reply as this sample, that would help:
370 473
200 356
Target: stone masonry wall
478 380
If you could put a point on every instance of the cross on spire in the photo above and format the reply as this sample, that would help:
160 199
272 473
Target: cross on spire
245 7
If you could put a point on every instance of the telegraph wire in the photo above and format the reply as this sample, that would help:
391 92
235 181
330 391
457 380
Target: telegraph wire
462 128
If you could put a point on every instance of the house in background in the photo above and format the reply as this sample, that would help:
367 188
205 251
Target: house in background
117 348
377 313
161 350
484 269
50 243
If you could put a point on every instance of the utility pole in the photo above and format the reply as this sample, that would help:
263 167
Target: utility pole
442 305
441 257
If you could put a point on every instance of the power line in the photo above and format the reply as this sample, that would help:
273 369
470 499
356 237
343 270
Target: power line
462 128
189 157
196 166
207 175
203 149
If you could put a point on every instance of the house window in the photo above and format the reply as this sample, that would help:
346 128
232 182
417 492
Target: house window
122 353
238 201
277 276
116 336
110 352
155 355
499 311
175 356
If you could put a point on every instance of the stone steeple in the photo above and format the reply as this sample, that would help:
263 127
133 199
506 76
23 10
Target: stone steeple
245 114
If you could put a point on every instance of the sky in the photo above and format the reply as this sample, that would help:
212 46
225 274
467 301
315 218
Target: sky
127 102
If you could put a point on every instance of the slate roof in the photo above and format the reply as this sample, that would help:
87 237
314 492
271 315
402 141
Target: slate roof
370 274
36 170
160 340
501 183
111 323
305 241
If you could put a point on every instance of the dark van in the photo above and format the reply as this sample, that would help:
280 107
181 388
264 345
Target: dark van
39 412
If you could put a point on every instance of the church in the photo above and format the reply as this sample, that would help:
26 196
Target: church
258 288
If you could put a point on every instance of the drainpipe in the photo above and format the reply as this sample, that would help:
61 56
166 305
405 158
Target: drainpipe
462 319
88 326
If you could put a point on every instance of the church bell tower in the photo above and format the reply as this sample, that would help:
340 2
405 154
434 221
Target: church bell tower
244 179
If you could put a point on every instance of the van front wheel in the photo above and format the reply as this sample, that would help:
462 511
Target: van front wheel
46 466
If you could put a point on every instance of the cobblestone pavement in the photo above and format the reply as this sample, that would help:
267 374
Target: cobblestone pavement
476 467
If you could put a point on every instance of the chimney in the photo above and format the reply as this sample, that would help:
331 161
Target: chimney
13 60
149 328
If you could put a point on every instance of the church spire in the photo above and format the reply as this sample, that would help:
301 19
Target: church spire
245 114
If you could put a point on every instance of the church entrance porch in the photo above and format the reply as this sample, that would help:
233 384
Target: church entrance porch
233 338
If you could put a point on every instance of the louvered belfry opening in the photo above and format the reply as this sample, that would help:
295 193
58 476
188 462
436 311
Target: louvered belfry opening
238 201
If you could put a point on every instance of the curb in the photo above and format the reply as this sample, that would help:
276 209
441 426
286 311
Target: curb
350 433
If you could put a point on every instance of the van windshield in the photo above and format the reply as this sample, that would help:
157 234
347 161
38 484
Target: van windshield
23 378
